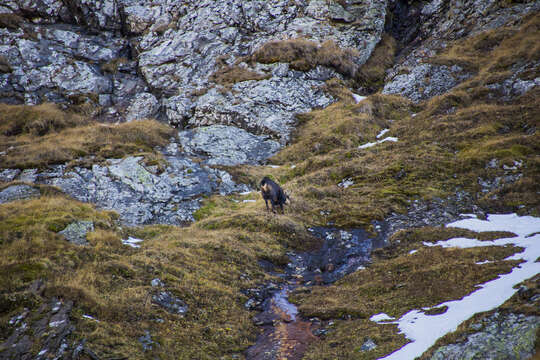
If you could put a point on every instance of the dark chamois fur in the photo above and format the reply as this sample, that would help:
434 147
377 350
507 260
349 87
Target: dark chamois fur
273 192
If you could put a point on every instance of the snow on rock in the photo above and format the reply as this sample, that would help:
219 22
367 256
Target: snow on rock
424 330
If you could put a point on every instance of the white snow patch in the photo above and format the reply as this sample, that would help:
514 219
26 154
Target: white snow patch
381 317
483 262
133 242
468 215
380 135
424 330
249 201
367 145
293 166
370 144
412 252
42 352
273 166
56 323
358 98
90 318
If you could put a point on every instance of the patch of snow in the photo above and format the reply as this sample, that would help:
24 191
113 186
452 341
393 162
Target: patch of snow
424 330
367 145
274 166
370 144
133 242
381 317
56 323
42 352
249 201
293 166
380 135
390 138
483 262
360 268
90 318
345 183
468 215
412 252
358 98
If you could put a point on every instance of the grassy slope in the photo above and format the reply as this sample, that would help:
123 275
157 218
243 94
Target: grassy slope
209 263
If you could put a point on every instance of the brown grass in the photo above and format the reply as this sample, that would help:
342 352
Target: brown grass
229 75
42 135
305 55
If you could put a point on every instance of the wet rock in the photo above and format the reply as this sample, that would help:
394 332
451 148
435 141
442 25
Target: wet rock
76 232
503 336
51 327
227 145
170 303
18 192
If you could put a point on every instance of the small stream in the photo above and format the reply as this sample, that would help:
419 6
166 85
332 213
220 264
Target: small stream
285 334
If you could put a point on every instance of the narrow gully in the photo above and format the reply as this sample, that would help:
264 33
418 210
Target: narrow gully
285 334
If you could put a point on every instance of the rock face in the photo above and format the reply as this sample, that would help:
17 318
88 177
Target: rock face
428 27
502 336
134 59
227 145
18 192
139 193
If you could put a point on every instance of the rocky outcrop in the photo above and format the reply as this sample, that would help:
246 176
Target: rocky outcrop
426 28
18 192
500 336
139 193
227 145
134 59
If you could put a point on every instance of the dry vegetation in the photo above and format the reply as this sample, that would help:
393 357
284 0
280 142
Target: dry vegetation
36 136
229 75
305 55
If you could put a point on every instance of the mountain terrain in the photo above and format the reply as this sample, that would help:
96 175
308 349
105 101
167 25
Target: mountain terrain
134 135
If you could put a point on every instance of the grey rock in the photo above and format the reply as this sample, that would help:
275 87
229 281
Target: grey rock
227 145
368 345
8 175
503 336
76 232
170 303
18 192
146 341
139 193
425 81
143 106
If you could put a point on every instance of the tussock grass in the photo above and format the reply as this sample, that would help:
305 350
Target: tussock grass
36 136
305 55
229 75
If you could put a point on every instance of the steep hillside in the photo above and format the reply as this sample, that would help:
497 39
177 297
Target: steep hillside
134 135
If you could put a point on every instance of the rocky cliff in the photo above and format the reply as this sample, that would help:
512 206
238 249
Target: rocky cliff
133 133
